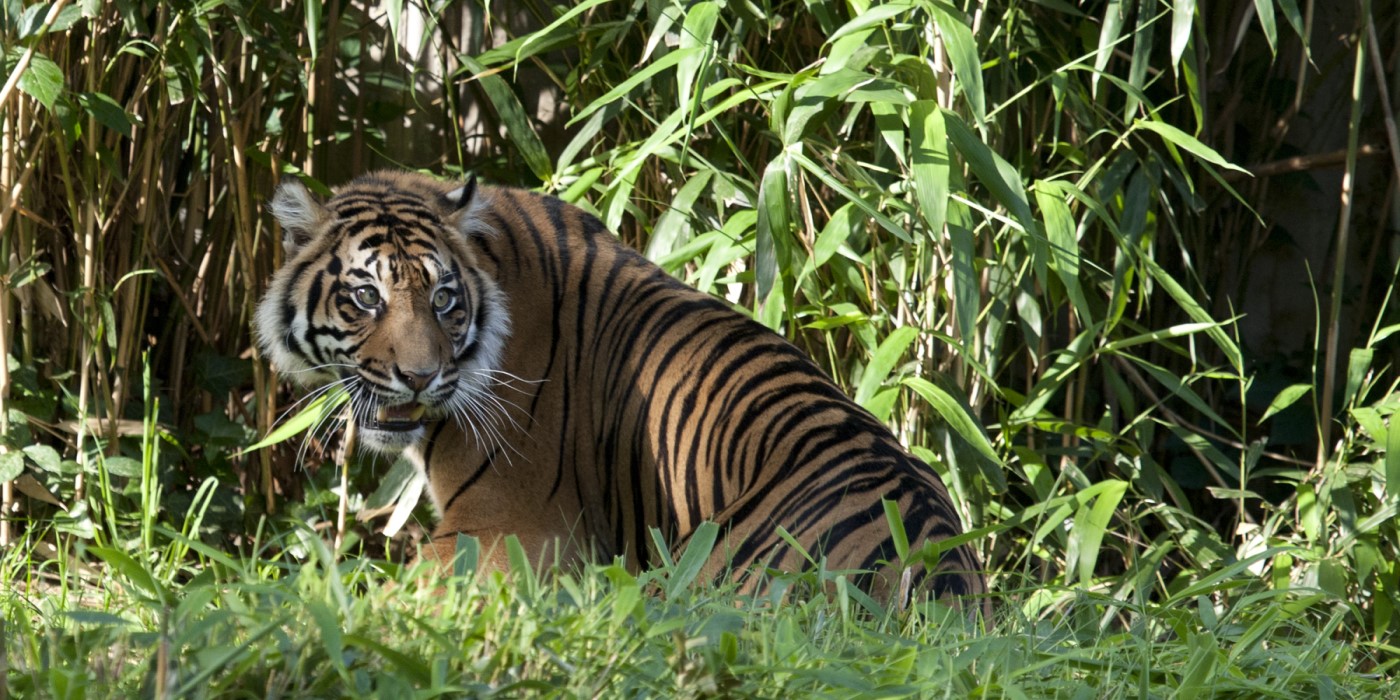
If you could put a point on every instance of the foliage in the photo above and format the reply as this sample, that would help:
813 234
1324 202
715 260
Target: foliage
273 625
1008 228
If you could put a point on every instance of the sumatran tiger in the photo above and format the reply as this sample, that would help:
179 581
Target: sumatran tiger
555 385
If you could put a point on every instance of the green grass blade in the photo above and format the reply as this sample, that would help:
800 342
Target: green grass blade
697 551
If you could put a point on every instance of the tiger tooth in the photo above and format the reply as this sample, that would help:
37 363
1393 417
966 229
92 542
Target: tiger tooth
382 414
417 412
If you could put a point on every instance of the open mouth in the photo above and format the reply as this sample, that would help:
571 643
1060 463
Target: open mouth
400 418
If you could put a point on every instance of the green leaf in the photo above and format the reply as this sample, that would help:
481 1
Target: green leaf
329 625
537 41
133 571
467 556
699 546
1109 33
953 413
513 117
404 503
1392 460
999 176
311 22
1090 525
1358 364
929 163
697 31
42 80
122 466
1064 246
897 533
870 18
407 664
630 84
47 458
392 484
962 54
849 195
1183 12
883 361
1265 10
107 112
321 408
1285 399
1184 140
967 287
11 465
773 224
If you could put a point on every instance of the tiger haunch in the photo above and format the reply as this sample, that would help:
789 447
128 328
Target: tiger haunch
553 384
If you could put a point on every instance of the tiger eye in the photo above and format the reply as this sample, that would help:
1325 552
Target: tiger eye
367 296
442 299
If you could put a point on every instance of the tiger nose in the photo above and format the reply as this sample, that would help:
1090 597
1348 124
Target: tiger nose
417 381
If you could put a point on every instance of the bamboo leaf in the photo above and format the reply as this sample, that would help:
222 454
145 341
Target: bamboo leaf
773 224
1109 32
1177 137
1265 10
664 63
1064 248
962 53
513 116
132 571
321 408
953 413
107 112
929 163
967 288
1090 526
1358 364
696 33
871 17
992 170
1392 460
1183 12
883 361
1284 399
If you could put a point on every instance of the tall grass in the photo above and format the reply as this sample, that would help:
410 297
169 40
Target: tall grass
1013 230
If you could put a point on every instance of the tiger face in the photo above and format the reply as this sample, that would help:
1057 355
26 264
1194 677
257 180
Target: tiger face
381 295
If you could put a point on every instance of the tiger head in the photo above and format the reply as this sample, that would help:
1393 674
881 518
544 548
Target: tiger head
380 293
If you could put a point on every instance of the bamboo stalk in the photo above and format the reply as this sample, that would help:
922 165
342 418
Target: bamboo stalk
7 173
1339 268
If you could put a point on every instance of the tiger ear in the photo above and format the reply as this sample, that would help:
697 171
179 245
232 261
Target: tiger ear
463 202
299 213
461 198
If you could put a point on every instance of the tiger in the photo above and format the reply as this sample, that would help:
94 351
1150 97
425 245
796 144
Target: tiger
551 383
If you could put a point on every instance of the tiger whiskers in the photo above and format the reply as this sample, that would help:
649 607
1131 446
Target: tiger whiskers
510 379
485 416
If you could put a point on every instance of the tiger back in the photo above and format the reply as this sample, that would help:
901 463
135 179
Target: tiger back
555 385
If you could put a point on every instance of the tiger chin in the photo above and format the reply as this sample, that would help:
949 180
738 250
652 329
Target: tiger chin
552 384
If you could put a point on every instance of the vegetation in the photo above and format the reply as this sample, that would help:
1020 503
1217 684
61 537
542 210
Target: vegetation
1015 230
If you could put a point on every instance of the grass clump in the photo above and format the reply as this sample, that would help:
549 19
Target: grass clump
294 620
